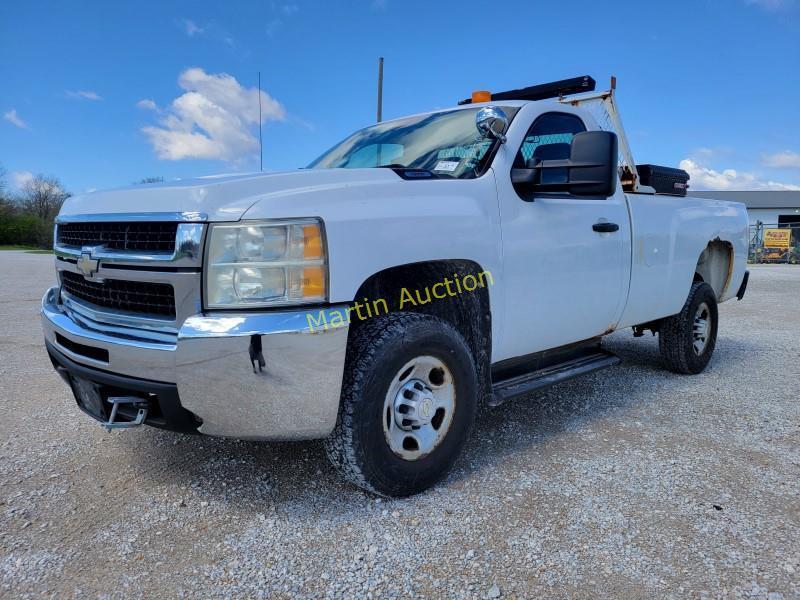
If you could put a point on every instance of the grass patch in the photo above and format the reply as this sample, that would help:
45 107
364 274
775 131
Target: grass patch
28 249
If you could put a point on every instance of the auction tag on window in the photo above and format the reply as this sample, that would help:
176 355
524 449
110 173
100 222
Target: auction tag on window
446 165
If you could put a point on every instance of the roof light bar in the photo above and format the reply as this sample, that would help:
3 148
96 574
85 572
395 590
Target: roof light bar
555 89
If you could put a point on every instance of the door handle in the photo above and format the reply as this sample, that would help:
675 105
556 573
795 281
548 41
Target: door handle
604 227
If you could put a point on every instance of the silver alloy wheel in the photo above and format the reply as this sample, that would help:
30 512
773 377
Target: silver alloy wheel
700 328
419 407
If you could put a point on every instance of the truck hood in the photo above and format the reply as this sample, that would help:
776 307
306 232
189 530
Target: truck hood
222 197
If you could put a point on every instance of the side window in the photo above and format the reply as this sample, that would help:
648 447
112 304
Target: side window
549 138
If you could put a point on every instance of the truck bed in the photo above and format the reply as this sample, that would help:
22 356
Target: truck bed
668 233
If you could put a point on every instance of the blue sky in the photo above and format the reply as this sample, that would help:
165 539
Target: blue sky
102 94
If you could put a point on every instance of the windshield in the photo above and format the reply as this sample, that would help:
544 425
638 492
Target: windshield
445 143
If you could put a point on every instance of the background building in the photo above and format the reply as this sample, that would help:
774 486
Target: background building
771 208
768 211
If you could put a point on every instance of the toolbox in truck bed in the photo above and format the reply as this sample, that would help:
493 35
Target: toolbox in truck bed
665 180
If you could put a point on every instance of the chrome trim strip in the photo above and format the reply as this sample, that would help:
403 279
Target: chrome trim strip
225 324
188 250
190 216
124 319
123 332
111 255
111 326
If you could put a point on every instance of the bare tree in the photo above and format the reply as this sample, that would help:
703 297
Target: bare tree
6 204
42 196
3 183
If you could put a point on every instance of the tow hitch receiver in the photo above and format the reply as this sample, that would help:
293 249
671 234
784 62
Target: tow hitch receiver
135 402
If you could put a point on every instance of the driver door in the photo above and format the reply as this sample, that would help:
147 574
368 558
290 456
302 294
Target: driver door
565 281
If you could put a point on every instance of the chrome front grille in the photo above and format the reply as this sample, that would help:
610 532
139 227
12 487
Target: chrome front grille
139 236
128 276
146 298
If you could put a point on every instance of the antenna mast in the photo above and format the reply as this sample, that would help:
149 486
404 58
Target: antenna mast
380 89
260 139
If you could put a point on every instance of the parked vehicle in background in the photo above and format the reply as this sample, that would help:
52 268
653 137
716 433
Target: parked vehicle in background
419 268
774 243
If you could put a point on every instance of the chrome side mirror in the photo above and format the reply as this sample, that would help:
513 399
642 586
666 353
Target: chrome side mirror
492 123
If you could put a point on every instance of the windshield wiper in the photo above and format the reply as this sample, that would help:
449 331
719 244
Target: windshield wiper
414 173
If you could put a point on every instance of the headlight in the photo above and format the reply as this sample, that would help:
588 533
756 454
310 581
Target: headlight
265 263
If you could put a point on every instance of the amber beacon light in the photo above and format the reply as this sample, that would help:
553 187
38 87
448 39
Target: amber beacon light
481 96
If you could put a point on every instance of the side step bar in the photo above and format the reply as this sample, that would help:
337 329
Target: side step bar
507 389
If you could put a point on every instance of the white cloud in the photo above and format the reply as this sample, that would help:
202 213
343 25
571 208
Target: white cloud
12 117
379 4
782 160
191 28
705 178
290 9
20 178
210 31
147 104
83 95
213 119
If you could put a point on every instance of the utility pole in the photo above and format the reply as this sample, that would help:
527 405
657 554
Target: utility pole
380 89
260 139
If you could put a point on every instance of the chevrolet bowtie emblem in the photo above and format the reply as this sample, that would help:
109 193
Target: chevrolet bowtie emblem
88 265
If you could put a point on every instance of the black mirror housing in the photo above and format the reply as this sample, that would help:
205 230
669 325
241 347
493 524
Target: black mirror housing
591 169
598 151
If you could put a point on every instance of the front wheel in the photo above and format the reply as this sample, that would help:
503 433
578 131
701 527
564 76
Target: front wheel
687 340
409 400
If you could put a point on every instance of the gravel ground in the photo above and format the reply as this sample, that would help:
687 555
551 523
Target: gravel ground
631 482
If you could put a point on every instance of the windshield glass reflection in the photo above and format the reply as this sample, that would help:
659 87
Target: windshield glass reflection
445 143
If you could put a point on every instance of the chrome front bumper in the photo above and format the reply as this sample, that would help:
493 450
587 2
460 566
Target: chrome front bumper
293 396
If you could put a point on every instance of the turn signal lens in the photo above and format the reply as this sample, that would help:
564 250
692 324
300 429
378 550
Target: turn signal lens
312 242
313 282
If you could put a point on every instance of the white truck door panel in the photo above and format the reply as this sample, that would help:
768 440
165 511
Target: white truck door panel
565 282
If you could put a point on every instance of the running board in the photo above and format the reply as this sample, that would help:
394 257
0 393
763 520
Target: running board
507 389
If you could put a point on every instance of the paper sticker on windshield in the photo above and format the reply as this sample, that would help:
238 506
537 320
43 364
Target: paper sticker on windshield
446 165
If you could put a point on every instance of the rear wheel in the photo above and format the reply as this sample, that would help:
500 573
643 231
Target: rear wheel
687 340
408 403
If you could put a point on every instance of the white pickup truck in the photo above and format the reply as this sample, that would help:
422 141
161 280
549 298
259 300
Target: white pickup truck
423 266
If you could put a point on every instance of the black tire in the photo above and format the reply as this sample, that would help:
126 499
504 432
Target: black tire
676 336
358 447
